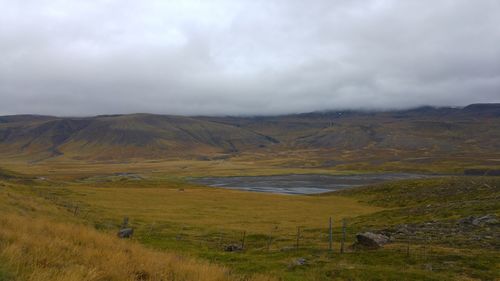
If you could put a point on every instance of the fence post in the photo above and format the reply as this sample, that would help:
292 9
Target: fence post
330 244
408 246
298 237
243 240
125 222
269 241
342 249
408 236
86 215
221 239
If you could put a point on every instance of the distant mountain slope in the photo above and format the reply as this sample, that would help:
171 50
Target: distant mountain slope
125 136
475 128
446 129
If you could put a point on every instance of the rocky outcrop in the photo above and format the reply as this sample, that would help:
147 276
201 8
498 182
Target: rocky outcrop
370 240
233 248
126 232
478 220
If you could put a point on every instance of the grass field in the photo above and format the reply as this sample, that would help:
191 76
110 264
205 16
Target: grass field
40 241
174 218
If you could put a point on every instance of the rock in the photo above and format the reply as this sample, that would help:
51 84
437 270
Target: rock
300 261
125 232
233 248
478 221
484 220
387 232
297 262
371 240
467 220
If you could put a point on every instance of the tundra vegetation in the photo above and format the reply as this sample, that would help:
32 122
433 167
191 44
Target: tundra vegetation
66 185
67 228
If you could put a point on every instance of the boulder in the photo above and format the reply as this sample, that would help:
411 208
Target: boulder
300 261
233 248
478 221
370 240
297 263
125 232
485 220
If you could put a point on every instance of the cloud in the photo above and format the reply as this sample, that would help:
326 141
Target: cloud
245 57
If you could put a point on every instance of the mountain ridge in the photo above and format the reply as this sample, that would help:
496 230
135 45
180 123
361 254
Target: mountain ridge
142 135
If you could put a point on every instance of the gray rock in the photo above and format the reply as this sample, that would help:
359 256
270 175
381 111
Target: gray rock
478 221
484 220
125 232
467 220
300 261
371 240
233 248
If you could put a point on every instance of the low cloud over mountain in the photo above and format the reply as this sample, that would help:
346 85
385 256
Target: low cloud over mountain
245 57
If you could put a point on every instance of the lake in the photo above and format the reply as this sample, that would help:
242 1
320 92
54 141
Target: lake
301 184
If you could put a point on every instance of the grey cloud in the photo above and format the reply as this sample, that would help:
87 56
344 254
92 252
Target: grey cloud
245 57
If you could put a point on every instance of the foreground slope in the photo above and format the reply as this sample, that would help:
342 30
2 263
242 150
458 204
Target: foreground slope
430 222
40 241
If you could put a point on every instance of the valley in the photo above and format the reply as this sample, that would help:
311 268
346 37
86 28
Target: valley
326 140
184 186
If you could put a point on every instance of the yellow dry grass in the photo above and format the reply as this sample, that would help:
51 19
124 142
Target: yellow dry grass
215 209
67 169
38 249
39 241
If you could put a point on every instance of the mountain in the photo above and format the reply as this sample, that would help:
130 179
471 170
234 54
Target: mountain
421 131
123 136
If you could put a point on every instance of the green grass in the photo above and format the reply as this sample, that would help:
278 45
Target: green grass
5 275
200 221
443 198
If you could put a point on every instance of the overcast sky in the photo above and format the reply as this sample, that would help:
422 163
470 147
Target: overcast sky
245 57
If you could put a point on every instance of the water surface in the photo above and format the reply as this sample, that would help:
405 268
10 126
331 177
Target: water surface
302 184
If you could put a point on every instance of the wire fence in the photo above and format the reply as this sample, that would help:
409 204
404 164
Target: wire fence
422 243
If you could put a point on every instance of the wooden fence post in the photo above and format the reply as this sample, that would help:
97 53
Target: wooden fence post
408 236
125 222
269 241
330 244
151 229
221 239
298 237
342 242
243 240
408 246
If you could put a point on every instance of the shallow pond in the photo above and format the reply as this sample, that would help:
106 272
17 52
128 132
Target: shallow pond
302 184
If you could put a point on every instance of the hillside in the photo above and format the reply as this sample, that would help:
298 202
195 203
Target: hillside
442 228
368 136
123 136
39 241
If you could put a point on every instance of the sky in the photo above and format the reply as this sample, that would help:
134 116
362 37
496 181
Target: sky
81 58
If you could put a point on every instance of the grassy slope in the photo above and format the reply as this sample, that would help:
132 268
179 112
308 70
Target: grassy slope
194 220
429 210
198 221
40 241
